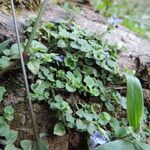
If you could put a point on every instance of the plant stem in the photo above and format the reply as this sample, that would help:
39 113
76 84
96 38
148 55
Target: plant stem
36 25
23 63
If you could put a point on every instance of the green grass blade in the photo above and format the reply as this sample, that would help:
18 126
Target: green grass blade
135 102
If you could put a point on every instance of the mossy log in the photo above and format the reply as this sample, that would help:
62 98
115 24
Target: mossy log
136 57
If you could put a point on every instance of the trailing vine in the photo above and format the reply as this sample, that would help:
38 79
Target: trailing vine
65 61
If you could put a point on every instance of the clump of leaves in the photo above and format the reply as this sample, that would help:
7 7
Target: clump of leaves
74 60
66 59
79 61
9 136
83 119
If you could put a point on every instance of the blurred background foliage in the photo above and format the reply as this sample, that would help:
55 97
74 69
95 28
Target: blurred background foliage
135 13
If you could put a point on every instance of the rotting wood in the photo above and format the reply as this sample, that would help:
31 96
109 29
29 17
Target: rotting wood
137 56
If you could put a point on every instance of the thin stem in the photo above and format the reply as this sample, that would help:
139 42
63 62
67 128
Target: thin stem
37 22
24 73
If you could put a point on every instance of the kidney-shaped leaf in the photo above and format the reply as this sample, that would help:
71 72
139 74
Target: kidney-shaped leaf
34 66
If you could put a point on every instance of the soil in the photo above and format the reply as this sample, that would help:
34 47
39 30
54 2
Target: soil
45 118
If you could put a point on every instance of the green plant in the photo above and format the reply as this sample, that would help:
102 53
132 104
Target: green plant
135 107
79 62
8 113
135 104
26 145
66 61
83 119
9 136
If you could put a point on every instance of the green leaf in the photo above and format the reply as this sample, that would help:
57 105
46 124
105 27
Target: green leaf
104 118
11 137
26 145
39 89
91 128
109 106
74 45
89 81
10 147
70 61
70 88
63 33
9 117
8 113
59 84
88 116
70 120
51 77
36 47
4 62
144 146
4 129
58 98
94 91
135 102
117 145
34 66
45 71
63 106
114 123
87 70
59 129
3 45
80 113
61 44
2 91
122 132
81 125
13 52
70 75
9 109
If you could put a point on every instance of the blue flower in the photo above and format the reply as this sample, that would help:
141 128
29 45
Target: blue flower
114 20
106 55
97 139
59 58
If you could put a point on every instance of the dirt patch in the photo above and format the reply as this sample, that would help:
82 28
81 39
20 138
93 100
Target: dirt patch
45 118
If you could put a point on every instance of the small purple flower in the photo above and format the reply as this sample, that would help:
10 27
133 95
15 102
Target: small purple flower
59 58
106 55
114 20
97 139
